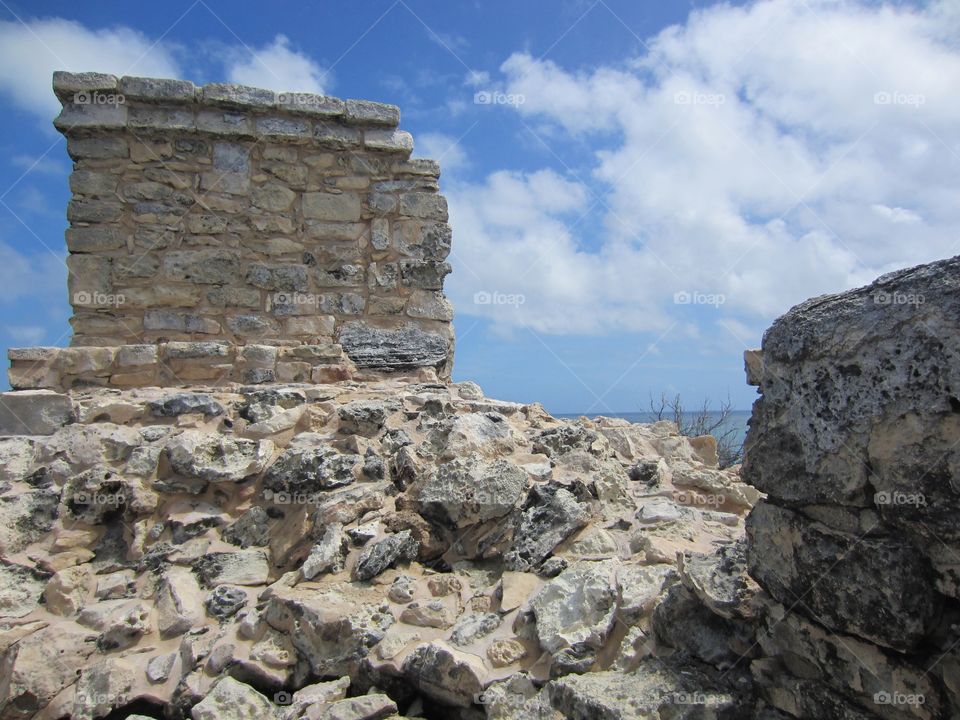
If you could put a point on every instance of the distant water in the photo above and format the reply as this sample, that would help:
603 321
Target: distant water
737 419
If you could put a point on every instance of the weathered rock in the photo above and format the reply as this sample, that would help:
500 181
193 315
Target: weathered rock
216 459
183 403
20 589
376 558
304 471
577 606
179 602
444 674
364 417
225 601
470 628
550 515
327 555
468 491
244 567
879 589
232 700
252 529
333 630
401 349
34 412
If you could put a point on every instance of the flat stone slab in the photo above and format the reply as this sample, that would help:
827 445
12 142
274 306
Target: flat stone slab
34 412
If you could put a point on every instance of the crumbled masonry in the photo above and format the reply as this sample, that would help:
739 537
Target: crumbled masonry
219 505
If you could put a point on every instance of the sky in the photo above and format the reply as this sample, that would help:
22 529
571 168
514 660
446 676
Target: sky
637 188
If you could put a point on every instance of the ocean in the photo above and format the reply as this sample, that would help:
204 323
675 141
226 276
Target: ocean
737 420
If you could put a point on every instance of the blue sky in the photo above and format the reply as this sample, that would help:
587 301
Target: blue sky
637 189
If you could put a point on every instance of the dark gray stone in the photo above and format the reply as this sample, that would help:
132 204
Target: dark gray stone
183 403
225 601
404 348
550 515
388 552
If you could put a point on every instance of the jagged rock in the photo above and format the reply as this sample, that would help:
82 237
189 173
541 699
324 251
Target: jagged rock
40 665
327 555
488 432
403 589
444 674
179 602
682 621
366 707
505 652
20 589
183 403
104 687
430 613
517 698
225 601
468 491
232 700
364 417
303 471
26 516
641 587
378 557
216 459
68 590
252 529
401 349
655 689
160 667
577 606
264 403
470 628
558 441
721 581
121 623
244 567
317 695
550 515
333 630
878 588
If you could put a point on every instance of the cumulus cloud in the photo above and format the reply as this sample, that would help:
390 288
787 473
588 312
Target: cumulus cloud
276 66
443 148
763 153
58 44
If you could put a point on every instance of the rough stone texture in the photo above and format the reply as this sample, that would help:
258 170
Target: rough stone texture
854 439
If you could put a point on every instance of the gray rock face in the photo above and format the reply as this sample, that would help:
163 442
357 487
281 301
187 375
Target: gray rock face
879 589
217 459
34 412
468 491
442 673
856 441
405 348
252 529
364 417
183 403
550 515
225 601
309 470
379 556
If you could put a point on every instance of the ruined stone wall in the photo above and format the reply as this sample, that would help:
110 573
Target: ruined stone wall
242 217
856 442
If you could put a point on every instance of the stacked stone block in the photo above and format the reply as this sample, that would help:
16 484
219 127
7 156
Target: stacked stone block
242 217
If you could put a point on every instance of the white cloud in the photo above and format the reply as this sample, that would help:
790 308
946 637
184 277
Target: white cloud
26 335
276 66
39 275
767 152
444 149
31 52
44 165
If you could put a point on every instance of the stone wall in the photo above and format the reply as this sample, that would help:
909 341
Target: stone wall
242 217
856 442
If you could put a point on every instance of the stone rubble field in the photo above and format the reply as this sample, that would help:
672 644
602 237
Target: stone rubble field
364 551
